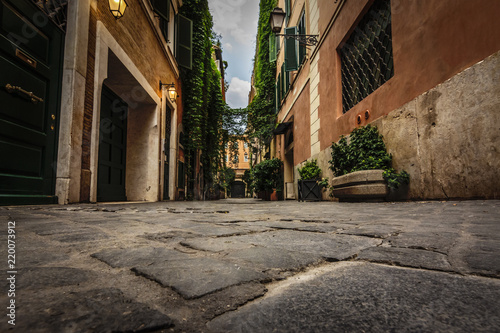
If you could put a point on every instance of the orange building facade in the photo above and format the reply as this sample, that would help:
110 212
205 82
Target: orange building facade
424 72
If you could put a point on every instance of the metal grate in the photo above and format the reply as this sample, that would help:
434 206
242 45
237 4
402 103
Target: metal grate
366 57
56 10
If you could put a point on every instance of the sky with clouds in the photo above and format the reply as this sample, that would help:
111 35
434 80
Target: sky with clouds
236 21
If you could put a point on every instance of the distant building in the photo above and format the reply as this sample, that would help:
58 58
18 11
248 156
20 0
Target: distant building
238 159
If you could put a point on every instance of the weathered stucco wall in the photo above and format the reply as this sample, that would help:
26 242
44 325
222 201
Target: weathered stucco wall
448 138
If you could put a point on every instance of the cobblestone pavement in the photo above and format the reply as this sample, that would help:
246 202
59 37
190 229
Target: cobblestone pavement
244 265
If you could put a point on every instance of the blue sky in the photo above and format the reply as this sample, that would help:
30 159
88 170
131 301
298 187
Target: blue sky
236 21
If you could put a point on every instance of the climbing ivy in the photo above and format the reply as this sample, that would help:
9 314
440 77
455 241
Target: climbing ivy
261 111
203 104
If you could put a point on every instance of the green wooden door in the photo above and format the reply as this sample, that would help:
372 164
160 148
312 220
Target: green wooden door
112 148
31 49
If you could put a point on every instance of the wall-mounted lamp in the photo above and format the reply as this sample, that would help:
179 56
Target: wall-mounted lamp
172 93
117 8
276 21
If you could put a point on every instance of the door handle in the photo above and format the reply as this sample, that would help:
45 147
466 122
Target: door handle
12 89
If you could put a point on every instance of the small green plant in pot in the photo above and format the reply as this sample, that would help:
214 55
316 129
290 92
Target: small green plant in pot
310 182
364 149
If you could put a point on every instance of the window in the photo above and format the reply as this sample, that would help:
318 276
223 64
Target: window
236 159
295 52
301 28
291 59
245 157
288 10
183 31
245 145
366 57
162 9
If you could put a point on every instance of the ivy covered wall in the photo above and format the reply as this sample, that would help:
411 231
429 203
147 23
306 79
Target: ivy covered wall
203 104
262 110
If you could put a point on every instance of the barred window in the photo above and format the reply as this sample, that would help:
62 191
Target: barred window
366 57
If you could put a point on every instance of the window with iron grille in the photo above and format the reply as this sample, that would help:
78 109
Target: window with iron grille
366 57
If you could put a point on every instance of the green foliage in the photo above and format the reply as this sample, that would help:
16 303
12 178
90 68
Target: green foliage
261 111
267 175
310 170
204 111
248 179
226 178
365 150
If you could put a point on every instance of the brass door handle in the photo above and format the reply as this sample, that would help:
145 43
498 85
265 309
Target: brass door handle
12 89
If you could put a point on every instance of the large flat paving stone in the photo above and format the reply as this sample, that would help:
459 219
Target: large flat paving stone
137 256
97 310
46 277
364 297
193 278
406 257
433 240
270 258
329 246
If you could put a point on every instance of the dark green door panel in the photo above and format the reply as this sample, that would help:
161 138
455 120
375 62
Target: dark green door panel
112 148
31 49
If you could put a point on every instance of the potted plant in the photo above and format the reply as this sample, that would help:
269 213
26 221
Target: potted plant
267 178
310 183
362 167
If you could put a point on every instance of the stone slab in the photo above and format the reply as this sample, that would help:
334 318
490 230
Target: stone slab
406 257
329 246
270 258
137 256
362 297
97 310
50 277
435 240
193 278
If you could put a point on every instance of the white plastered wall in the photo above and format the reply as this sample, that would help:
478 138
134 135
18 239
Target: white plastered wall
170 111
69 159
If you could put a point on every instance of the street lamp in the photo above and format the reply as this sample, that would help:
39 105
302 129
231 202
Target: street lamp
276 21
117 8
172 93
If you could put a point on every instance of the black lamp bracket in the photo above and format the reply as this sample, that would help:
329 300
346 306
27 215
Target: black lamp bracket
309 40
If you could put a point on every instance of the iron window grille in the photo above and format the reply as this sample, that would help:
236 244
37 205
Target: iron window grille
366 57
56 10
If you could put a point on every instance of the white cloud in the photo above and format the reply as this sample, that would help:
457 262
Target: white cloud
237 94
228 47
234 18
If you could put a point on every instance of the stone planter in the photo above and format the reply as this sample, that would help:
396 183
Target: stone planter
366 185
309 190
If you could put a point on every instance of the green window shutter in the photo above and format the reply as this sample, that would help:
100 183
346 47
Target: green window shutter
288 9
277 44
272 48
282 82
278 92
162 8
302 31
291 59
184 42
276 88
